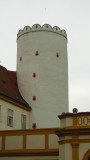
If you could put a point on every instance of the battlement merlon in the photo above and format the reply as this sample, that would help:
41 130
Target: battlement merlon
45 27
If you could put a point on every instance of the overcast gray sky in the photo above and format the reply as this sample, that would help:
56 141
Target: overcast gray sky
71 15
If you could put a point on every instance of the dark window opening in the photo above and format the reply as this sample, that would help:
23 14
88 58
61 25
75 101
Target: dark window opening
57 55
34 75
37 53
34 98
34 125
20 58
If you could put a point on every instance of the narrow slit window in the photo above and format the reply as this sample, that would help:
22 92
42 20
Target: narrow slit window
34 75
36 53
20 58
34 98
34 125
57 55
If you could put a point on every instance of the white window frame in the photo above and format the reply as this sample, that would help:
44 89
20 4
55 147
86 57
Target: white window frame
10 117
23 121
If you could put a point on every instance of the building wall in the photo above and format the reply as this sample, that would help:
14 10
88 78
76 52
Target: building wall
42 139
66 122
65 152
65 149
31 158
84 147
47 92
29 142
74 136
33 142
17 112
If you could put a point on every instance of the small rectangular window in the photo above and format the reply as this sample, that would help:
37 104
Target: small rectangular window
10 118
23 121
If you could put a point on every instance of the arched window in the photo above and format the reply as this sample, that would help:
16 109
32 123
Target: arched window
87 155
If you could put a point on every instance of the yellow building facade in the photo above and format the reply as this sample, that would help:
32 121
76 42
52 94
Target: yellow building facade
74 136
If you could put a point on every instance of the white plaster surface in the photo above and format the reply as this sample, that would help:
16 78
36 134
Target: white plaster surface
83 148
66 122
35 142
53 141
65 152
13 142
50 86
69 121
62 152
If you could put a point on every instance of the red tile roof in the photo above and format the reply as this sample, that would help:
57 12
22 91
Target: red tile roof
9 87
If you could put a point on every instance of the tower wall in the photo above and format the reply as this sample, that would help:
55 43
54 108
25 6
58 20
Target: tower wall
42 73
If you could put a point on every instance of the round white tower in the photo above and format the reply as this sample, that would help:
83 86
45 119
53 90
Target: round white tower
42 73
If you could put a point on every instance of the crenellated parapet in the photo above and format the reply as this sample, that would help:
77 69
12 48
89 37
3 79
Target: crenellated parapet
38 27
